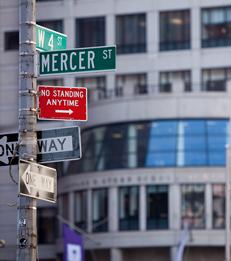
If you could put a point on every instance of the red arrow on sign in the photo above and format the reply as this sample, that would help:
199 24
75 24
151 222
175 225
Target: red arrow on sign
62 103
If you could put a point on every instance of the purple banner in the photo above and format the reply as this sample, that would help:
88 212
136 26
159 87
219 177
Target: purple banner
73 245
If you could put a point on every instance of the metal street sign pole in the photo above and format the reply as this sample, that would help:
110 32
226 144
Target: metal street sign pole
26 206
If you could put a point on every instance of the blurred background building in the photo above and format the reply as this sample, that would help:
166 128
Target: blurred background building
154 146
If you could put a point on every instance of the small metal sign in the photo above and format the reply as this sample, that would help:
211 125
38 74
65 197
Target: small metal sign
62 103
49 40
90 59
37 181
54 145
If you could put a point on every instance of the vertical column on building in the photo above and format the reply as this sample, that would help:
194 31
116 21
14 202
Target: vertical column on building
69 30
89 210
174 215
152 23
208 206
113 209
196 48
142 208
110 40
116 254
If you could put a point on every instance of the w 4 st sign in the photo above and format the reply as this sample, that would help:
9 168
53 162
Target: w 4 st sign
49 40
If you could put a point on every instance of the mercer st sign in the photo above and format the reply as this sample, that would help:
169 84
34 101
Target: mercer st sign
78 60
49 40
53 145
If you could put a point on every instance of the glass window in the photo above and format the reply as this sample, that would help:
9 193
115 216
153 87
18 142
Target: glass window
131 84
193 206
96 87
215 79
129 208
216 27
159 143
174 30
80 208
100 210
47 224
90 32
172 81
56 25
11 40
131 33
157 207
218 206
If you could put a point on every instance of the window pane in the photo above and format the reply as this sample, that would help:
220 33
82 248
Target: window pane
174 30
157 207
216 27
193 206
218 206
11 40
131 33
159 143
81 209
100 210
90 32
128 208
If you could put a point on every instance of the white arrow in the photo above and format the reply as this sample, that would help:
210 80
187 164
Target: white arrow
24 177
37 181
64 111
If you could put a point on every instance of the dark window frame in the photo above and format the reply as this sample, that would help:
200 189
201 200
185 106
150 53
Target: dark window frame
90 31
216 41
139 39
191 218
158 219
217 84
101 224
174 45
10 45
130 222
218 223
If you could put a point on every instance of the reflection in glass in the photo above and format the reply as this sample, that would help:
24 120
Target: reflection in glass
193 206
157 207
80 207
131 33
100 210
128 208
216 26
159 143
174 30
218 206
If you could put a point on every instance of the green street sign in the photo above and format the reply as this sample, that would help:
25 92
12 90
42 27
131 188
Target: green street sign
80 60
49 40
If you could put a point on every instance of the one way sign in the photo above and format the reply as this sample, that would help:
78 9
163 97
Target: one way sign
53 145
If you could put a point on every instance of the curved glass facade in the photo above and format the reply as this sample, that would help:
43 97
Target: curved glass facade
159 143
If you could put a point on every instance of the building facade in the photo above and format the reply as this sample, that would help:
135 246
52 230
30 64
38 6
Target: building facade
154 146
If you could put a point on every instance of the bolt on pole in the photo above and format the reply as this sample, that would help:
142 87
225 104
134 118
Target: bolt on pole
26 206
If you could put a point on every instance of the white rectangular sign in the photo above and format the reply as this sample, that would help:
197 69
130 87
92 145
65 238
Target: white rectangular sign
37 181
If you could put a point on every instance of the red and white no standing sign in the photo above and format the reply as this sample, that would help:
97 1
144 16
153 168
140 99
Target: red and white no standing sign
62 103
